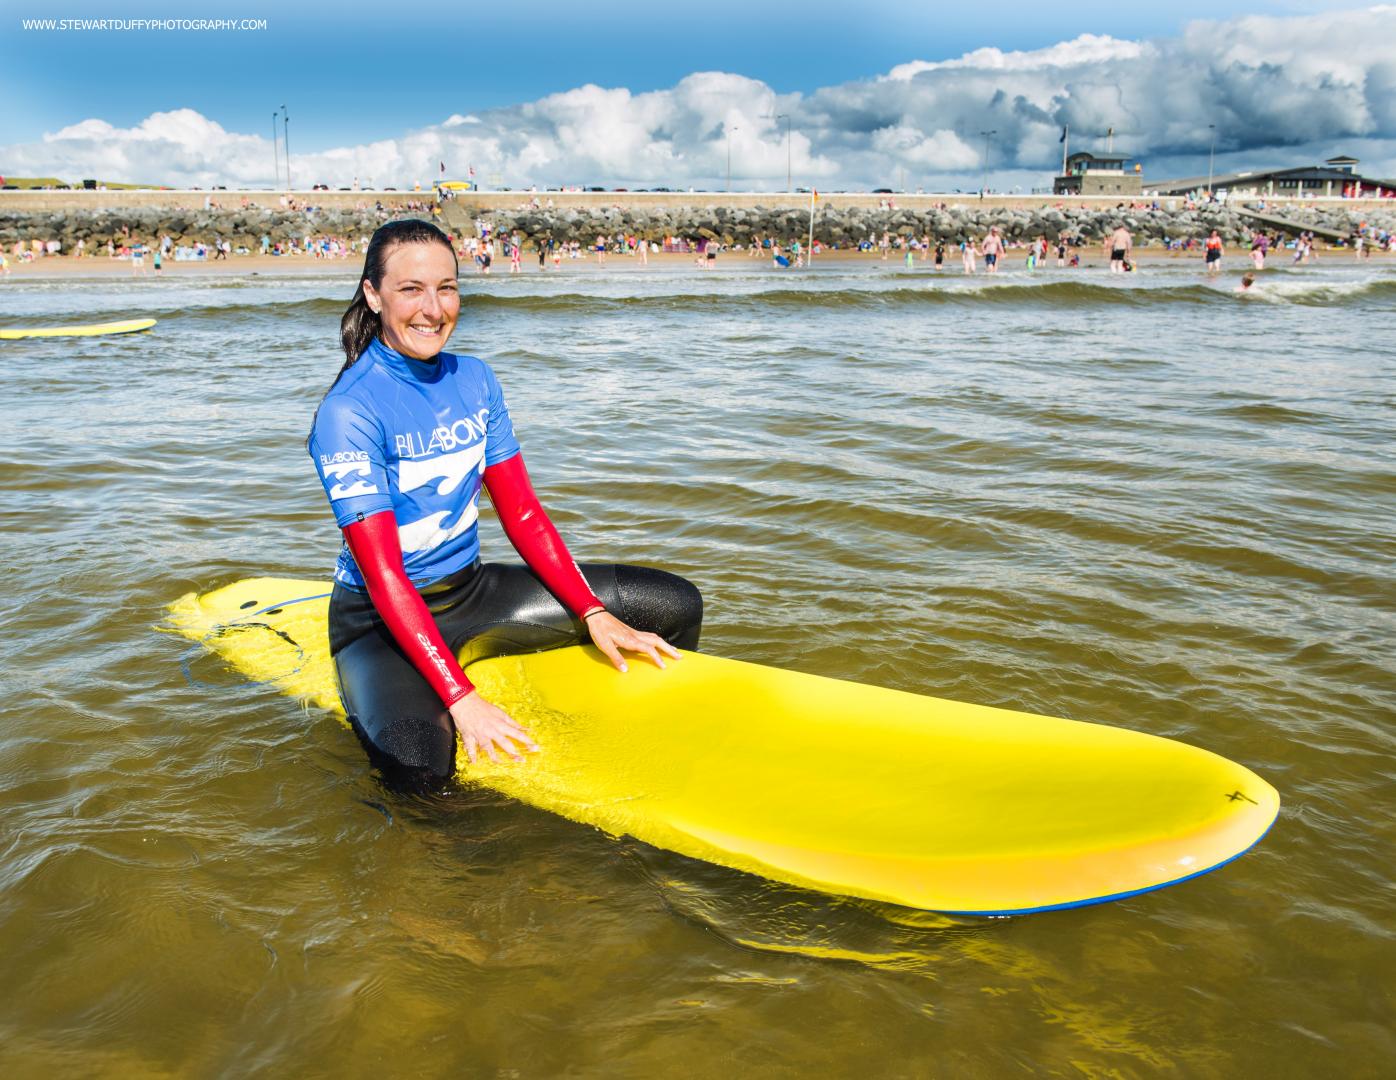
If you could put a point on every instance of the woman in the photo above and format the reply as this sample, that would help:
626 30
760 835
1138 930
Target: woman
404 440
1214 253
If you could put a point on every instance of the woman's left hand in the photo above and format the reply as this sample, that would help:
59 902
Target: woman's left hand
610 635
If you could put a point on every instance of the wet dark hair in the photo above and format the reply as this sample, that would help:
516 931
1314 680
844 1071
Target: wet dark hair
360 323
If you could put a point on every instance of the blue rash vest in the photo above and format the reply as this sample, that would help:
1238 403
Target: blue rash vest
413 437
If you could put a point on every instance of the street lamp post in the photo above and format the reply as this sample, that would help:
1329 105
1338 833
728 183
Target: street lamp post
729 156
786 118
1211 157
987 136
286 126
275 150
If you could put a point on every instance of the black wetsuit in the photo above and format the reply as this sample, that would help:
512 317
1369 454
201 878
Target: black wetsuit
484 610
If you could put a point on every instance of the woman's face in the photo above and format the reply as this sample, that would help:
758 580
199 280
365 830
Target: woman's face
418 299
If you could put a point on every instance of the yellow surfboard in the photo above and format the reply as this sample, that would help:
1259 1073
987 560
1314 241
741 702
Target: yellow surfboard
816 782
129 326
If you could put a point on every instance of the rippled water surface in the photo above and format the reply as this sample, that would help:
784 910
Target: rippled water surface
1147 502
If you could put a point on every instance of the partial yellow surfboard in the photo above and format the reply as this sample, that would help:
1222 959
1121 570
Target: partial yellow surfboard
816 782
129 326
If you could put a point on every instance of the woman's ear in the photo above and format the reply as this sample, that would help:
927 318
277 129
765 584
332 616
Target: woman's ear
375 302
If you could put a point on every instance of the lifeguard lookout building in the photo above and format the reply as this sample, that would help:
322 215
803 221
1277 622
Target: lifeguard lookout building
1098 174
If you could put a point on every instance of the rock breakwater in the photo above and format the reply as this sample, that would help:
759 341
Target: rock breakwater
843 226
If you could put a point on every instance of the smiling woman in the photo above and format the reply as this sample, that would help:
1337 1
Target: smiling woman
404 441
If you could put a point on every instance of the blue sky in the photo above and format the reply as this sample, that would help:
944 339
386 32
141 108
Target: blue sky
353 71
639 94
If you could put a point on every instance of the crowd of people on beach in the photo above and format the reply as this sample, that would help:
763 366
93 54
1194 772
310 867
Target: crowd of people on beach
484 246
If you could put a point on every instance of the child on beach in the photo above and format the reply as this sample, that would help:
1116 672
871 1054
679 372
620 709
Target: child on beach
968 254
940 254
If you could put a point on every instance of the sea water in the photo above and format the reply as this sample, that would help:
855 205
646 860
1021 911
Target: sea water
1142 500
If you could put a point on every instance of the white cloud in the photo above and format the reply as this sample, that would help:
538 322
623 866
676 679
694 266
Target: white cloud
1279 90
1086 49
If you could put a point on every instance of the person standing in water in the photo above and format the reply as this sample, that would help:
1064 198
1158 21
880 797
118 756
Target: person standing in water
1214 253
993 248
1118 246
405 441
968 254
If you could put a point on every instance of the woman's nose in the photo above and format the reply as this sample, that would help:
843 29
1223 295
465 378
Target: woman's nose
431 304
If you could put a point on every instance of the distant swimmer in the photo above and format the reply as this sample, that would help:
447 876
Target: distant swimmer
1247 280
1214 253
940 254
1118 246
992 249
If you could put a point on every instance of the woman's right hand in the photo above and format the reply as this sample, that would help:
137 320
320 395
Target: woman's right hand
483 726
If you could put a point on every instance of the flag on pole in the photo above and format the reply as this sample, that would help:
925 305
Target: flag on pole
1063 138
813 195
472 170
443 167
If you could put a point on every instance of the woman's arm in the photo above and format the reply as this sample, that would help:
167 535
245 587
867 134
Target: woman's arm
536 538
378 553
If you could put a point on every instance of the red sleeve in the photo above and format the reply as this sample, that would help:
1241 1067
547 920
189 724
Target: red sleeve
535 538
374 544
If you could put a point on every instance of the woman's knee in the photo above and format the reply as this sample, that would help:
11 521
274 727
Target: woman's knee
662 603
396 715
412 752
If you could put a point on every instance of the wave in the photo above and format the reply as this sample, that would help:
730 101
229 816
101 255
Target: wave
961 292
1322 294
1056 294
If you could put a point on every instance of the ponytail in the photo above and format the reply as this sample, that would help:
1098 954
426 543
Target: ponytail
360 324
